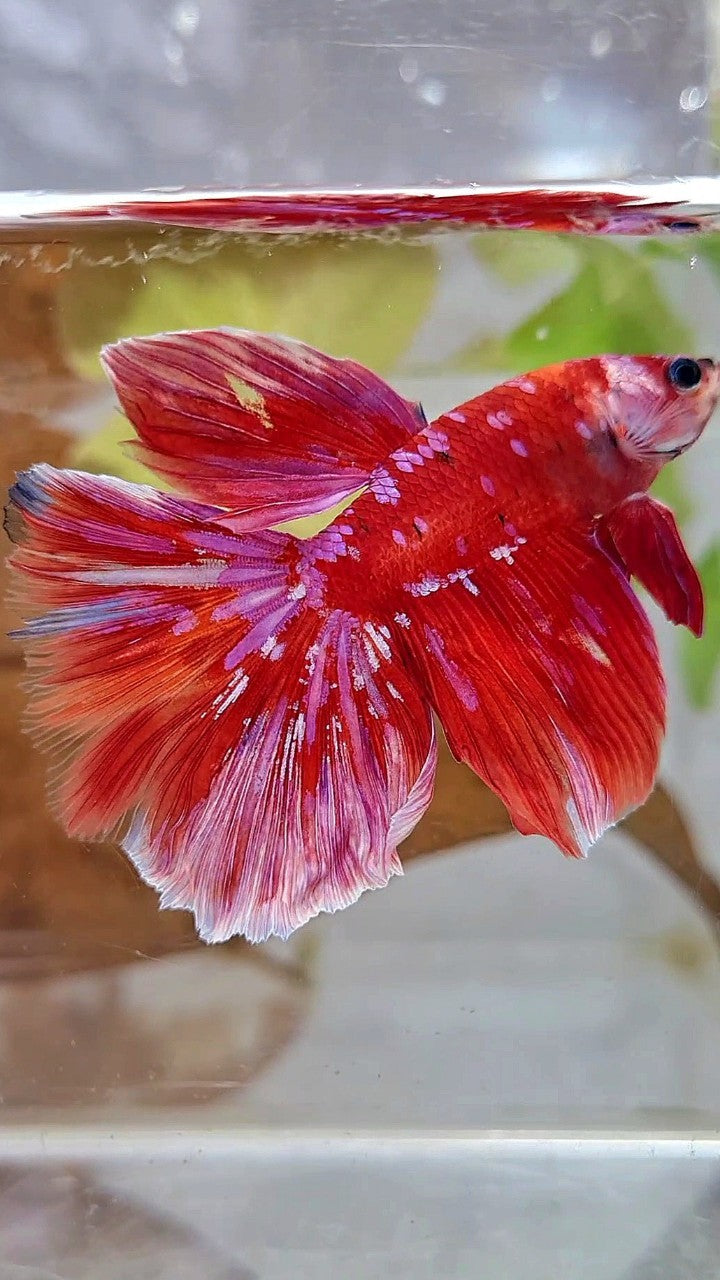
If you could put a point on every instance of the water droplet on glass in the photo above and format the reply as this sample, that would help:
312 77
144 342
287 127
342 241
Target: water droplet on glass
175 57
185 18
693 97
601 43
173 51
432 91
408 68
551 88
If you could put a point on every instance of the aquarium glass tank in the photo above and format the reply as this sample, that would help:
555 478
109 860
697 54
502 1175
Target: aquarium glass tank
505 1064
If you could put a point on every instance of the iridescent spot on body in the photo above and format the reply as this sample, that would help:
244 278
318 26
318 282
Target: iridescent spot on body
430 583
330 543
383 486
519 448
437 439
405 460
425 586
506 551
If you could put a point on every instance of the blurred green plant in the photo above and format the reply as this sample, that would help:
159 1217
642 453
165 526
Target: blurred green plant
611 303
700 659
517 260
103 453
359 298
671 488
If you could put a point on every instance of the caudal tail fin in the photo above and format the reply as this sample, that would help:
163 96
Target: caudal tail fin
261 758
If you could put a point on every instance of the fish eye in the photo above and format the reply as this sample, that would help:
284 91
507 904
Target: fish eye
684 374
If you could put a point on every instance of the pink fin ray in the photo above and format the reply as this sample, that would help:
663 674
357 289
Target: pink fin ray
547 682
308 802
256 786
262 425
643 533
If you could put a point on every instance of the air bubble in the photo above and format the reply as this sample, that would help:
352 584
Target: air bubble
175 57
185 18
693 97
432 91
174 52
551 88
409 69
601 43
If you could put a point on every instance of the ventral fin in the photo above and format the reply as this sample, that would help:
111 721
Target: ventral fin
642 534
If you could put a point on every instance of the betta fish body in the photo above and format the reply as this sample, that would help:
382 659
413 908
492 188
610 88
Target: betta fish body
252 712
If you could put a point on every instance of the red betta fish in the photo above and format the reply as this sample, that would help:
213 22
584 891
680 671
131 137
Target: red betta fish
252 712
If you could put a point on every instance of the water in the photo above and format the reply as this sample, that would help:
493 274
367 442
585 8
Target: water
501 1065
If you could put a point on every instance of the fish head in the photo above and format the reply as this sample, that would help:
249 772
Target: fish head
652 408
